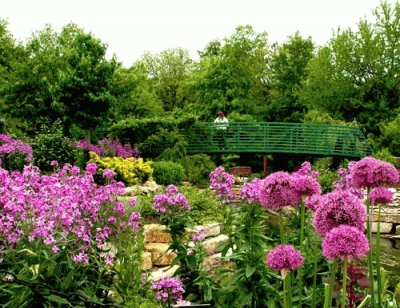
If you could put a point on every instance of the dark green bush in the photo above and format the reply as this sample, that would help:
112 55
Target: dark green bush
168 172
50 144
197 168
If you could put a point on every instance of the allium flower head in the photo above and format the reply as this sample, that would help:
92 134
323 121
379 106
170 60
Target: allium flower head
370 172
307 186
306 170
345 243
169 289
381 195
313 202
278 190
91 168
337 208
284 258
108 174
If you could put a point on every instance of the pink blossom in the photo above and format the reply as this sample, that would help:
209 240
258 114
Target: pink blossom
381 195
284 258
313 202
91 168
339 207
346 243
222 182
250 191
168 289
108 174
278 190
172 202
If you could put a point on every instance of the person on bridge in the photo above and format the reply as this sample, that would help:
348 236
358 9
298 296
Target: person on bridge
221 124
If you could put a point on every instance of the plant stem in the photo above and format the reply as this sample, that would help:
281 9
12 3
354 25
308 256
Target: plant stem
300 270
289 282
344 284
378 257
328 294
370 263
281 227
285 292
315 268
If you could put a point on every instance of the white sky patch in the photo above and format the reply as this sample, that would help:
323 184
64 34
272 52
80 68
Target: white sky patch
132 27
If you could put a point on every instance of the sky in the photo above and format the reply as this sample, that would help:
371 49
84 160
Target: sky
132 27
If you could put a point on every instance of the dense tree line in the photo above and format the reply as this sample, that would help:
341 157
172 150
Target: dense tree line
355 78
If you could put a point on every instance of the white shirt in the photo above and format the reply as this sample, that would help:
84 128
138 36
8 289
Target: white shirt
221 123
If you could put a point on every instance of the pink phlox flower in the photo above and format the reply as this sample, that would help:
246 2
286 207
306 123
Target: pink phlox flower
381 195
82 257
306 170
222 182
370 172
346 243
250 191
91 168
54 163
134 221
108 174
172 202
284 258
133 202
199 236
279 190
345 182
337 208
168 289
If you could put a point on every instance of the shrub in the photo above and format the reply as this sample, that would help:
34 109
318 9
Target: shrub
197 168
109 148
50 144
326 175
129 170
14 154
168 172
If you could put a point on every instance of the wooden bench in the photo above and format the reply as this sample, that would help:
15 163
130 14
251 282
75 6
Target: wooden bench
241 171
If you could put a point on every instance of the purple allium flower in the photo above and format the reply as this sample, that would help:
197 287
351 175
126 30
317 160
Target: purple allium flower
381 195
279 190
337 208
54 163
313 202
345 181
169 289
250 191
284 258
305 170
370 172
91 168
108 174
307 186
346 243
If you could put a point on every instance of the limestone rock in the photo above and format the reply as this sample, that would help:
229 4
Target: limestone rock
215 244
397 232
160 256
386 227
156 233
163 272
147 264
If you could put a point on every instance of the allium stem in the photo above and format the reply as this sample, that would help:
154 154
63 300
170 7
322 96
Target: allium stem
344 284
300 270
315 269
370 263
285 292
378 257
329 291
282 234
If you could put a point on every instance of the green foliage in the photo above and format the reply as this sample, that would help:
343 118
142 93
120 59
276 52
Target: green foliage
197 168
385 155
391 136
136 131
168 172
131 171
326 175
51 144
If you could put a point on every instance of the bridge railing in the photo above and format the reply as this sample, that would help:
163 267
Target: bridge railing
278 137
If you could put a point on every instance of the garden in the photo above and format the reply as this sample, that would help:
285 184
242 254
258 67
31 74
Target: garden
70 236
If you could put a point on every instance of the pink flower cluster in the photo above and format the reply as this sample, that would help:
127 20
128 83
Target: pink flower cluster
250 191
222 182
110 148
284 258
10 146
381 195
370 172
172 202
168 289
279 190
66 210
199 236
339 207
346 243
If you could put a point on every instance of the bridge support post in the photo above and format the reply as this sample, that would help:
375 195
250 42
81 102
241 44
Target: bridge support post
265 165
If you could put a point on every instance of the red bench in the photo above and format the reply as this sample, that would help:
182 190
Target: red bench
242 171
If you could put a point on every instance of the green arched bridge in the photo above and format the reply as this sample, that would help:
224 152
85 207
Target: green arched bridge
277 137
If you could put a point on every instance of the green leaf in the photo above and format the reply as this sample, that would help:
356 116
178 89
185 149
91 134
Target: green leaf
58 299
250 270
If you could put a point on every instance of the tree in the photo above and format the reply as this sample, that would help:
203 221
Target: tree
230 75
64 75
